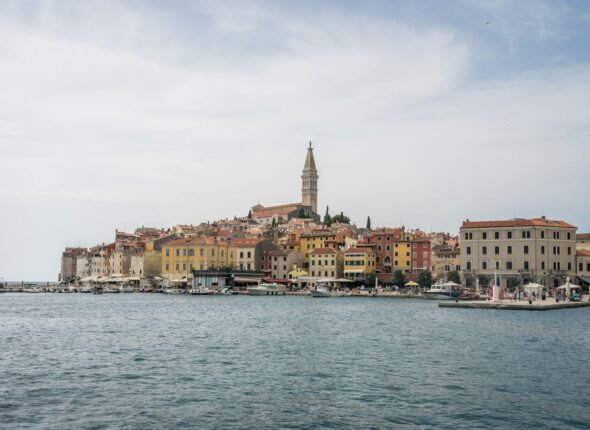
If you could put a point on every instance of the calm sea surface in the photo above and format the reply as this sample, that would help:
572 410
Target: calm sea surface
141 361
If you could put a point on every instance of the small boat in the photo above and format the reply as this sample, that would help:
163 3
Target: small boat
171 291
267 290
469 296
201 291
320 290
31 288
97 290
443 291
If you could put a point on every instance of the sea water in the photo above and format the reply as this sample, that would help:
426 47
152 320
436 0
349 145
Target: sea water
141 361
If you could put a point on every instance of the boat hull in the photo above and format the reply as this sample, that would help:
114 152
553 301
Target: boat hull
320 293
441 295
260 292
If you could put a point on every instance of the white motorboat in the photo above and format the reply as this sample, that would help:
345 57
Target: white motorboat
267 290
201 291
31 288
320 290
171 291
443 291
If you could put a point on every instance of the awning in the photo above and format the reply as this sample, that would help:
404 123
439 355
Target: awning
243 280
584 278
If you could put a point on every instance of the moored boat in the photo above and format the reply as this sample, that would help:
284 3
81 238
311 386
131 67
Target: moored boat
443 291
267 290
320 290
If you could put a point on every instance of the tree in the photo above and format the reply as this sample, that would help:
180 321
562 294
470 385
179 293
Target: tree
250 214
368 223
513 283
468 281
327 217
484 280
398 278
425 279
453 276
341 218
302 213
370 280
274 223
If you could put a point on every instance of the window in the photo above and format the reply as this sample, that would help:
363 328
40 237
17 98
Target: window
542 249
379 248
177 267
526 265
509 265
468 250
249 254
496 250
184 252
202 252
542 234
484 250
484 235
167 254
542 265
183 266
415 245
569 250
509 249
496 235
168 267
213 253
191 252
484 265
569 266
588 267
580 267
178 252
497 264
468 265
509 234
526 249
414 254
466 236
569 236
388 248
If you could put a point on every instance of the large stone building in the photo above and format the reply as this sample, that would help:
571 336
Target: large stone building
538 249
69 259
309 179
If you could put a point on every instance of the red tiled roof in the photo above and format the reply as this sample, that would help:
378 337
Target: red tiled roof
583 252
246 241
359 250
583 236
534 222
324 251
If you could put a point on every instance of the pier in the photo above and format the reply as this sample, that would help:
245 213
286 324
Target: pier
538 305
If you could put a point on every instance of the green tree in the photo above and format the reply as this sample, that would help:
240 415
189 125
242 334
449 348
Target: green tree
341 218
468 281
368 223
274 223
370 280
302 213
425 279
398 278
453 276
513 283
327 217
484 280
250 214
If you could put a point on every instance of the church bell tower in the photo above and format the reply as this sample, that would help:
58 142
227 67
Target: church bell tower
309 179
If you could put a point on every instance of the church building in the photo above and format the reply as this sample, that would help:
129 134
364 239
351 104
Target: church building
307 208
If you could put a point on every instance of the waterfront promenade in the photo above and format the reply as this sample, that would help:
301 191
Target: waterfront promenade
523 305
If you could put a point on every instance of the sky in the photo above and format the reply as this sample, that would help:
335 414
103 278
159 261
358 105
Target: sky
115 115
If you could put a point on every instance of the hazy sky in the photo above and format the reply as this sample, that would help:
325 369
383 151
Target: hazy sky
121 114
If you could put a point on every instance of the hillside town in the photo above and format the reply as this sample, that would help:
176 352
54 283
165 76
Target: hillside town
292 244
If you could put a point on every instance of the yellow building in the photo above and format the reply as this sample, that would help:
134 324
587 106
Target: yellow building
326 263
445 259
402 249
320 239
181 256
359 262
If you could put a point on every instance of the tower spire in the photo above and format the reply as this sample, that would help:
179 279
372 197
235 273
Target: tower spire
309 179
